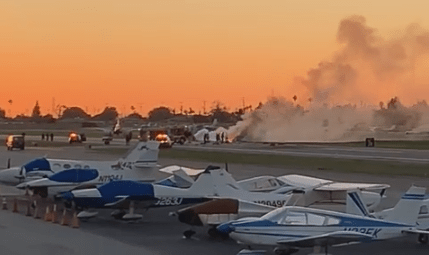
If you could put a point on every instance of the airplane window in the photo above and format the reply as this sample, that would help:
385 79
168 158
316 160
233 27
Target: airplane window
86 167
57 166
295 219
273 183
66 166
77 166
332 221
423 210
315 220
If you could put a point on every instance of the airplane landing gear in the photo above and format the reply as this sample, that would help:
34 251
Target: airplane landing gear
423 238
188 234
131 215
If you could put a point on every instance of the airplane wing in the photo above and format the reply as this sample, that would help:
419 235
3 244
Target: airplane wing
188 171
124 201
343 186
333 238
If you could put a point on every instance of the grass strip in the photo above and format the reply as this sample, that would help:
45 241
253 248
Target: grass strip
311 163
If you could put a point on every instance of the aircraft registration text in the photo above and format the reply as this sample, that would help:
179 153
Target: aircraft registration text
109 178
275 203
367 231
169 201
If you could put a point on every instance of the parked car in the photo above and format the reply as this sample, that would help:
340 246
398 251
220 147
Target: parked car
15 141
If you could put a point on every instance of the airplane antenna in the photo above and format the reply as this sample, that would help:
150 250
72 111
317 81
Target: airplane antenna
226 166
8 163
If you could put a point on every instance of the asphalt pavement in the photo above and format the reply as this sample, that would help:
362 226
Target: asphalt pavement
159 233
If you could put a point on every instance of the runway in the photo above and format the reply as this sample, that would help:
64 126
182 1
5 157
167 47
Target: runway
161 234
314 150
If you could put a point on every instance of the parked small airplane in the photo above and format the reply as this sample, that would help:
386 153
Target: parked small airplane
214 182
292 227
422 218
51 176
316 190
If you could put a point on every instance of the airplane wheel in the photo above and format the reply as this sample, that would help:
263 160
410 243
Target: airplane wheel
188 234
68 204
284 252
119 215
213 232
216 234
423 239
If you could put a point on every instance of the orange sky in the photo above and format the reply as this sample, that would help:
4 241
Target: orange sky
149 53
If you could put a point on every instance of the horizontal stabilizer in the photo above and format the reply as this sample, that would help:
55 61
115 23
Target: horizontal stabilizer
188 171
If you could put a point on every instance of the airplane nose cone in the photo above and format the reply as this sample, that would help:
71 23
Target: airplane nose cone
10 176
225 228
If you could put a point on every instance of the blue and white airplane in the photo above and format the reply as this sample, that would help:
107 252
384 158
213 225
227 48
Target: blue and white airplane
291 227
214 182
51 176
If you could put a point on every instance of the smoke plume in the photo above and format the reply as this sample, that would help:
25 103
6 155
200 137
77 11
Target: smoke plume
367 68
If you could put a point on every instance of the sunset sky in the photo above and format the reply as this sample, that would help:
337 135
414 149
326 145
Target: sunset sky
94 53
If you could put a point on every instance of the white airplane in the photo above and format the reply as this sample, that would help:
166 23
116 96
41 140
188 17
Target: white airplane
52 176
316 190
292 227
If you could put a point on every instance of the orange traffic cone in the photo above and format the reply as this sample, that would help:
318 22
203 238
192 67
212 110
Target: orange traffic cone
15 205
48 216
54 214
64 220
75 221
4 204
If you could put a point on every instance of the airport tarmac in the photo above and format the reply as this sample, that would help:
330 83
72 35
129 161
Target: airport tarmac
159 233
317 150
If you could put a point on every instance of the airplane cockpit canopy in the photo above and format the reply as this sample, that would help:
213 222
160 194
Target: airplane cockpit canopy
287 216
40 164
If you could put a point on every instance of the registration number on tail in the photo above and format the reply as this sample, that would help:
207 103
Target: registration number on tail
169 201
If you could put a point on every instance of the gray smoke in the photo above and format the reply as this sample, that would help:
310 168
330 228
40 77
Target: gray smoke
368 68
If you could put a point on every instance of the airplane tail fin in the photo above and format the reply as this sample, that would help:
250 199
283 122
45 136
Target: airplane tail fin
145 154
355 205
407 209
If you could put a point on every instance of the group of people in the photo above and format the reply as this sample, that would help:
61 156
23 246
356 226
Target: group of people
220 138
47 136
